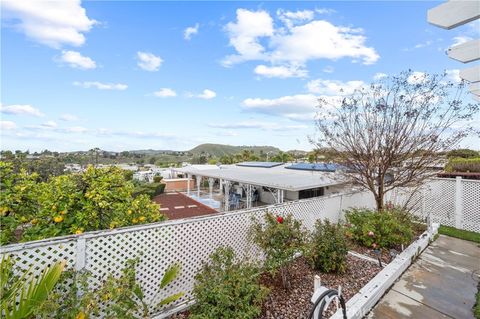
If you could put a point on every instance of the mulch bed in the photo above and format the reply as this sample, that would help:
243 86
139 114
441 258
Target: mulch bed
295 302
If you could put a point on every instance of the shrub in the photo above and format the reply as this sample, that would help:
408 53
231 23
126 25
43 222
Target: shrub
149 189
463 152
227 289
279 238
471 165
157 179
385 229
21 295
328 248
98 198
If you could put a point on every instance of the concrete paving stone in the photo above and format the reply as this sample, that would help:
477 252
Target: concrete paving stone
443 279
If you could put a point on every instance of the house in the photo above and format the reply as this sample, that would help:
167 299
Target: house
267 182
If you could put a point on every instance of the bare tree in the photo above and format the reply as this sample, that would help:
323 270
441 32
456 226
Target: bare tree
388 133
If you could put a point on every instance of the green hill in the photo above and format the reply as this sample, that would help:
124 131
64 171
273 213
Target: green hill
218 150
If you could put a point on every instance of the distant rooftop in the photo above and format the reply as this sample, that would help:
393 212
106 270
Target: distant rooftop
260 164
177 206
274 177
321 167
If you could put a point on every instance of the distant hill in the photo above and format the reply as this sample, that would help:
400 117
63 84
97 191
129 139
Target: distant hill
218 150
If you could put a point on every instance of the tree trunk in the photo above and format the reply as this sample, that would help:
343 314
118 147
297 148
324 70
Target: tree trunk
379 202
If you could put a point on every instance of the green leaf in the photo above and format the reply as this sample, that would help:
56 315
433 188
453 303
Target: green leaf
170 275
171 298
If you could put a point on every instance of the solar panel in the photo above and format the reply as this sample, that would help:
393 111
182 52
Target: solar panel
259 164
320 167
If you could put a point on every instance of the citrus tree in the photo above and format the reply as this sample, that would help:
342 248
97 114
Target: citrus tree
99 198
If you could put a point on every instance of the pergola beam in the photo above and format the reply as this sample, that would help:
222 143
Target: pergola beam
465 52
471 74
452 14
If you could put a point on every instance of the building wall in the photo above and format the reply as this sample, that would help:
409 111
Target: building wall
178 184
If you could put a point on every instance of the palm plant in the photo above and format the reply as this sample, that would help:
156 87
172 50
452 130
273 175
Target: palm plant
19 296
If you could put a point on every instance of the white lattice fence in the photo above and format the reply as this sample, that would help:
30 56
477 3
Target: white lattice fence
471 205
188 242
447 201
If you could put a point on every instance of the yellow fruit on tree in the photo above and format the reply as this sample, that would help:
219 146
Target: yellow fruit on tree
141 218
63 212
81 315
34 221
58 219
134 221
78 231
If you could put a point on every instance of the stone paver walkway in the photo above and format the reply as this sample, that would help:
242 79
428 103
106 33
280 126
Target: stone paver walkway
442 283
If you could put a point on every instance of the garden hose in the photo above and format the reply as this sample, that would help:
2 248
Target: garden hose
328 293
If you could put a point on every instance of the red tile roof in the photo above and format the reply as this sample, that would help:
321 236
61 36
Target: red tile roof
177 205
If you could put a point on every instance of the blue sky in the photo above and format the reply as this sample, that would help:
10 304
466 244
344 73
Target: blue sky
171 75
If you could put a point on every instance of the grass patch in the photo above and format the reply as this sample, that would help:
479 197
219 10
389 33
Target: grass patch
458 233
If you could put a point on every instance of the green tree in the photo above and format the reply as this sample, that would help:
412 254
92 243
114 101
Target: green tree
99 198
463 153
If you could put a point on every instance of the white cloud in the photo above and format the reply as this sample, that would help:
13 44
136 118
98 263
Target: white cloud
75 60
53 23
148 61
290 18
258 125
244 35
328 69
379 76
295 107
302 41
322 40
332 87
74 129
417 77
101 86
49 124
18 109
68 118
460 40
454 75
165 92
282 71
7 125
188 32
207 94
324 11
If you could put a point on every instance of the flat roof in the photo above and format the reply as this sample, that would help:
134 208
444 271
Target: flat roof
273 177
177 205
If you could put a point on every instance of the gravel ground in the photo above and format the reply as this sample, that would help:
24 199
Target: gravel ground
295 302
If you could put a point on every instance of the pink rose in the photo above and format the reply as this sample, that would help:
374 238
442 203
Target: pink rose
371 234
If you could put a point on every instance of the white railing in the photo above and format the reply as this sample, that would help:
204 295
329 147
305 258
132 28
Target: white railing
188 241
448 201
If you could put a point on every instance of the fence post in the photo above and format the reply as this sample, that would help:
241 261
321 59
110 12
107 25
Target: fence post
458 202
81 254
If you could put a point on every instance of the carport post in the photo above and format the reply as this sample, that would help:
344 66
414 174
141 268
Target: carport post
210 186
199 180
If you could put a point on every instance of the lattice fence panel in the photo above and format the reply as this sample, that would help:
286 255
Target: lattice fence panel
34 258
471 205
439 201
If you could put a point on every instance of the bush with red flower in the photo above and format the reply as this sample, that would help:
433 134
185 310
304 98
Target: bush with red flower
280 238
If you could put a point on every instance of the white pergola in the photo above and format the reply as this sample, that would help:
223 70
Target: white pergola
278 179
450 15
